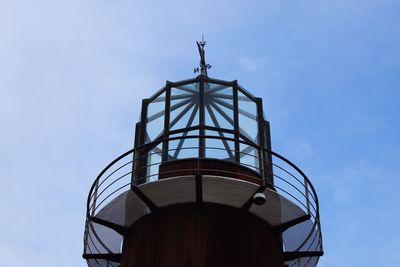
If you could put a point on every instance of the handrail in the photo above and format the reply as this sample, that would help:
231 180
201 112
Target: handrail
299 190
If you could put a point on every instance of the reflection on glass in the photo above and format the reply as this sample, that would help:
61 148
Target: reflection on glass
218 100
219 115
248 125
155 118
153 163
219 149
184 148
249 157
184 106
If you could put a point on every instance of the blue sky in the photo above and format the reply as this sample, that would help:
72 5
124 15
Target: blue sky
73 73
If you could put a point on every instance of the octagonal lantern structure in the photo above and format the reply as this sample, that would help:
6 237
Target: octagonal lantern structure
202 187
202 118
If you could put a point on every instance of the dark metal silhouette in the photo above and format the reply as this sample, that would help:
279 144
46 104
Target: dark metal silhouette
194 133
203 65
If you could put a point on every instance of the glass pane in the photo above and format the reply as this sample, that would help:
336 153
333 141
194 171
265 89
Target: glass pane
219 149
184 117
154 158
219 133
249 157
185 133
155 118
248 125
184 106
184 148
189 88
156 106
154 129
219 106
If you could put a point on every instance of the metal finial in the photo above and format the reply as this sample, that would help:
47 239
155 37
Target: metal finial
203 65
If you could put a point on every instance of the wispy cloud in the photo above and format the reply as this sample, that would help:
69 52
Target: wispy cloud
73 74
252 64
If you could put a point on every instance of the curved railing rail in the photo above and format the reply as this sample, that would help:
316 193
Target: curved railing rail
288 180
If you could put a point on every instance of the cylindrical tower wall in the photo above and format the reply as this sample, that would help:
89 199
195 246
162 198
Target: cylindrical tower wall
201 236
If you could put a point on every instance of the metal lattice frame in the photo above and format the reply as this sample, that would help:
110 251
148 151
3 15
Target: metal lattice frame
209 99
192 106
291 182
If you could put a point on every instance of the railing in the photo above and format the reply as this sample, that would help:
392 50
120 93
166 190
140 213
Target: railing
288 180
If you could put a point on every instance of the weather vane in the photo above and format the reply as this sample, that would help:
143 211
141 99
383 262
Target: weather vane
203 65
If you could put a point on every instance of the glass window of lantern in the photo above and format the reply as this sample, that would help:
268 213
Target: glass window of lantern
155 118
248 123
184 106
218 100
219 147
